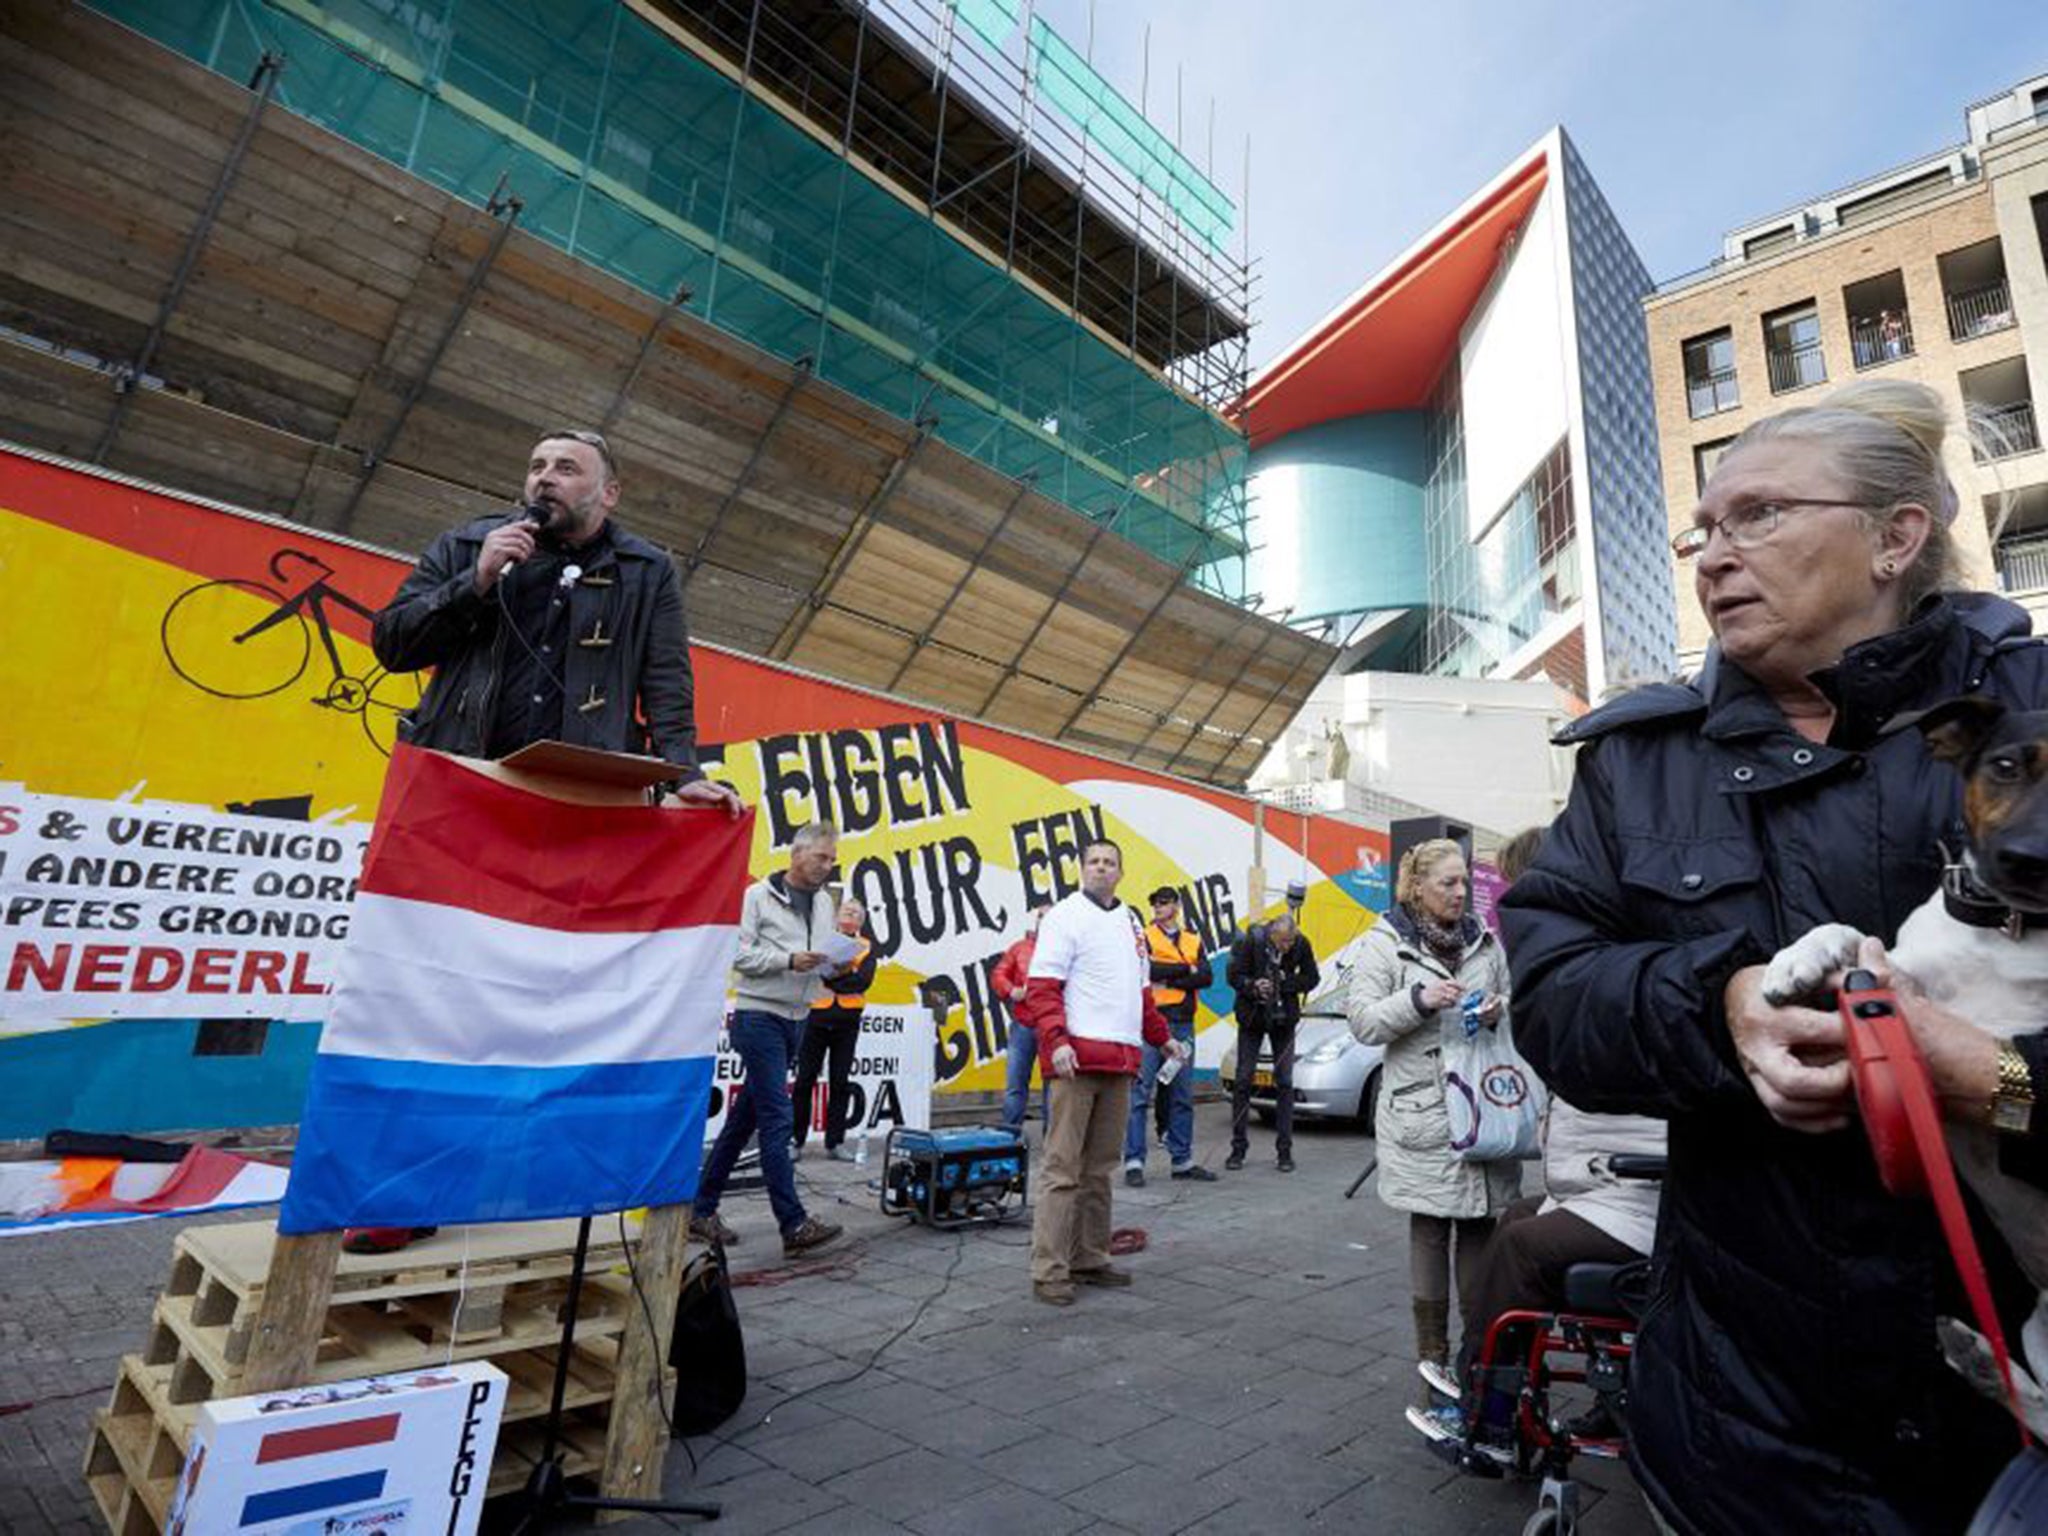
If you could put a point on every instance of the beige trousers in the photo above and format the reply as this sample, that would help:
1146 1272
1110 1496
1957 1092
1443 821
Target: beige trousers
1083 1149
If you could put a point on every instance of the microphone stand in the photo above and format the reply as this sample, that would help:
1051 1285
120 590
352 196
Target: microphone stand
546 1496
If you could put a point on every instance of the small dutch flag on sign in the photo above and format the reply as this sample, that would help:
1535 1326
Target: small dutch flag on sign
370 1457
302 1455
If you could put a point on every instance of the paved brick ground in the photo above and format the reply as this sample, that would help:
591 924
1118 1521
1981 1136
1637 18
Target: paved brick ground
1251 1381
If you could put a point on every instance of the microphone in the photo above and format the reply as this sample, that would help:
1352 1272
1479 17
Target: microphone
531 515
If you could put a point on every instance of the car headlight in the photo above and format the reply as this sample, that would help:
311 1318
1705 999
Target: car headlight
1327 1052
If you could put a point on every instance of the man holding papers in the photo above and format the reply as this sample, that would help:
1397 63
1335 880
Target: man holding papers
788 937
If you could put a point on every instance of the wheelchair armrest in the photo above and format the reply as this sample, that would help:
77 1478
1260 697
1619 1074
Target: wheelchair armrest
1590 1288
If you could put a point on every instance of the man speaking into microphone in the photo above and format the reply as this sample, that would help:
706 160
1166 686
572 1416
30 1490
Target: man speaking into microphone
550 623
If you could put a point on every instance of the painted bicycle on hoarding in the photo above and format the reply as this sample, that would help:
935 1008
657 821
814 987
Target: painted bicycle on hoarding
211 642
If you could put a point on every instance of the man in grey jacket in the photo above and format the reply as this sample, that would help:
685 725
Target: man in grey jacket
786 925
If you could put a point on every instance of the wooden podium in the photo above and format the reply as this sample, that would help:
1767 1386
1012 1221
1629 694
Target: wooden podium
292 1311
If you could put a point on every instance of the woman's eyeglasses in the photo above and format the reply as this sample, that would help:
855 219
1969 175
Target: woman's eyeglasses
1749 525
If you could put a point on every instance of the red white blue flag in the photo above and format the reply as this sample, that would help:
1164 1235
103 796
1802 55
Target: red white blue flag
526 1013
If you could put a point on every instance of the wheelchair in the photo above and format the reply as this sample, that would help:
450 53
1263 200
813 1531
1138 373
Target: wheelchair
1515 1422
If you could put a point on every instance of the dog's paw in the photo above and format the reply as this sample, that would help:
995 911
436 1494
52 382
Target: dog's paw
1796 972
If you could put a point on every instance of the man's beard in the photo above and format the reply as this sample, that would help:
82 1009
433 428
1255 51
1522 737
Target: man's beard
570 519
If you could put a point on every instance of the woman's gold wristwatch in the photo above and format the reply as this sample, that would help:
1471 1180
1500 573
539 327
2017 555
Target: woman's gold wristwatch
2012 1101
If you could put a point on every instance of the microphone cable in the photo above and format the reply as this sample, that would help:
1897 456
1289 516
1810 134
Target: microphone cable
564 583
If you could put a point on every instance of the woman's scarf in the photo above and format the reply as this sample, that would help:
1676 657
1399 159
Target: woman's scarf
1446 942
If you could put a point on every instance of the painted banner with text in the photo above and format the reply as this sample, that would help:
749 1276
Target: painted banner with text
196 745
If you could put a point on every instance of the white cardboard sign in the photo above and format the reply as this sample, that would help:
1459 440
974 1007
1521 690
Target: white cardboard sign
399 1455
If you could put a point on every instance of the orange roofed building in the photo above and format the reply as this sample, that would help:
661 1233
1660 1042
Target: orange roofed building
1457 471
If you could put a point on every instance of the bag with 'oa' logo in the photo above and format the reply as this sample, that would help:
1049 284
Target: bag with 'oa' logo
1494 1100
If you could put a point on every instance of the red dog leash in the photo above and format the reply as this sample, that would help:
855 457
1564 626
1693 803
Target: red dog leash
1896 1096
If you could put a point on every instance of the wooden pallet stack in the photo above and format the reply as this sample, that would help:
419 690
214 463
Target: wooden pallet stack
482 1292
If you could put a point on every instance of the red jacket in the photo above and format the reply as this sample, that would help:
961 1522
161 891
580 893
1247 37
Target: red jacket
1045 1009
1013 969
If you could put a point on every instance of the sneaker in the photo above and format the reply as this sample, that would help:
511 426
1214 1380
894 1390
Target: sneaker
838 1154
1108 1275
1054 1293
1196 1172
712 1229
1440 1379
1442 1421
382 1239
812 1234
1134 1177
796 1151
1286 1164
1234 1162
1444 1427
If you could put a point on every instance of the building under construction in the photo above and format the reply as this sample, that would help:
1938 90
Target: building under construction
915 340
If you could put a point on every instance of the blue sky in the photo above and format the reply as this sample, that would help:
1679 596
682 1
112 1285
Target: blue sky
1372 119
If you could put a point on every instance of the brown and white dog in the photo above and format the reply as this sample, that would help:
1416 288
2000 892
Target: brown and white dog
1979 947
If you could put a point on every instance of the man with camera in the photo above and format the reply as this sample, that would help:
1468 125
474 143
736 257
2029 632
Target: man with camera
1271 970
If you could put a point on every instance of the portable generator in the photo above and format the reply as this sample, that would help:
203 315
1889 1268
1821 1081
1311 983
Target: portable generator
954 1178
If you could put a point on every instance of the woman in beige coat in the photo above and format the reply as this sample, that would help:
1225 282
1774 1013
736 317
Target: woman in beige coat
1414 970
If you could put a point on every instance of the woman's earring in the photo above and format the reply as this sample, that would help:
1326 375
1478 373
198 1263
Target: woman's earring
1891 568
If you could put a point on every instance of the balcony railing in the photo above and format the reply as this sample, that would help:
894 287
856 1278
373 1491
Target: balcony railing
2005 430
1795 367
1980 312
2023 562
1872 342
1706 394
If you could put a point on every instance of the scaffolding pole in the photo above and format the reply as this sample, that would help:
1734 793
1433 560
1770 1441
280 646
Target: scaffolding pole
662 316
1024 488
1259 714
504 210
1195 677
1131 640
850 544
1229 688
799 375
264 84
1016 665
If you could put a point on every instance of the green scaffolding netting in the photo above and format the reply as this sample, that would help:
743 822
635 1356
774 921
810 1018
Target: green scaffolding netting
632 154
1065 80
994 20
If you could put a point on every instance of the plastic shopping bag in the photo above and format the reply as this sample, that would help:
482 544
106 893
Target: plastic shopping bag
1495 1101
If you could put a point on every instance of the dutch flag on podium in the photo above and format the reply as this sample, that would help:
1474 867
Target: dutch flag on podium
526 1013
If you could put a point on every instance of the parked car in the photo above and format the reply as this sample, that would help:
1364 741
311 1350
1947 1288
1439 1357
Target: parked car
1335 1078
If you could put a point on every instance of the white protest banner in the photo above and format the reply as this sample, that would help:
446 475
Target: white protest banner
120 909
889 1085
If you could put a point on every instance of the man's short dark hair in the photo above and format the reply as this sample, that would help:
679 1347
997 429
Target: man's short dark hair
1164 893
589 439
1110 843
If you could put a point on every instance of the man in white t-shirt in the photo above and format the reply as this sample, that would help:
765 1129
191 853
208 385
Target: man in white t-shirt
1087 998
